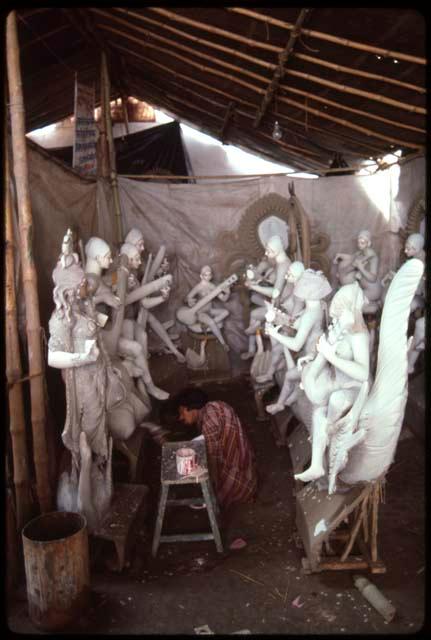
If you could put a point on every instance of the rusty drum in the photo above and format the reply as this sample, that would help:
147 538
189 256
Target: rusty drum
56 568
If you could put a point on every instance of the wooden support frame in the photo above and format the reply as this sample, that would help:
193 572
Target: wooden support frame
229 114
359 536
280 70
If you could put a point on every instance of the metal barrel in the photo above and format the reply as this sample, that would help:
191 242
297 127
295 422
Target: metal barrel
56 568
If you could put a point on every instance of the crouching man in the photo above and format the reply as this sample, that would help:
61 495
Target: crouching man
230 457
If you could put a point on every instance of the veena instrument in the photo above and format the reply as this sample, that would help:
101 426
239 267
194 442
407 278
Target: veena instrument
188 315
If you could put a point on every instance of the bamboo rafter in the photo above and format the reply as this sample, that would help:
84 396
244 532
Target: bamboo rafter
260 78
277 74
259 61
387 53
280 70
176 17
321 114
358 92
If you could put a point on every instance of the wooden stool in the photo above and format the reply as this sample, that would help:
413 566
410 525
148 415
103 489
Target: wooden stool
118 523
170 476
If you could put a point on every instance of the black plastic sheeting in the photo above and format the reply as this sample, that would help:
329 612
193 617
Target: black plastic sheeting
159 150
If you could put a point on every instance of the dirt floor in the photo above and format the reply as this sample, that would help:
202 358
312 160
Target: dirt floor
260 588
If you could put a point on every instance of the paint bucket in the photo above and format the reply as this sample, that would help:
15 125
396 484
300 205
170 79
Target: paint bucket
56 568
186 461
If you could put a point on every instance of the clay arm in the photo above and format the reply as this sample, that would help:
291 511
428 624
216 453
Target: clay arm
358 368
297 342
104 294
149 303
192 294
66 360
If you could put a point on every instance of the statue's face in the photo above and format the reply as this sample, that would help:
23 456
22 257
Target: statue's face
271 252
410 249
106 260
342 316
292 276
140 245
363 243
206 274
135 260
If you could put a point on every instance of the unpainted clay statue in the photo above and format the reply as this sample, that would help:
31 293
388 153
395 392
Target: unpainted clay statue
311 287
277 256
136 238
362 266
355 430
333 379
133 340
201 312
286 315
68 256
99 395
119 342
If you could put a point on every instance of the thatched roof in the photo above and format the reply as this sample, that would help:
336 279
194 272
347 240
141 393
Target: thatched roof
346 82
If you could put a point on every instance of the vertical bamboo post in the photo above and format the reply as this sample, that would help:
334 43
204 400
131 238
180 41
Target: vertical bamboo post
125 114
374 520
112 163
102 157
38 416
17 425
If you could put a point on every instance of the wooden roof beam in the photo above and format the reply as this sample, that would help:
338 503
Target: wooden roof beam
253 75
253 87
386 53
280 70
253 59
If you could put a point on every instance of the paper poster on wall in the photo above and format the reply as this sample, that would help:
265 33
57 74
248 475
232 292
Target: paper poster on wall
84 147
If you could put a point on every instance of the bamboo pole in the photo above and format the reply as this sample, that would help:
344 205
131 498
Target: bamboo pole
252 87
253 59
103 165
280 70
357 92
278 74
17 425
344 107
387 53
38 415
358 72
220 32
112 164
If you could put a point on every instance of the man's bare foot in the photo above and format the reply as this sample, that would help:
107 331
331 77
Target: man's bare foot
312 473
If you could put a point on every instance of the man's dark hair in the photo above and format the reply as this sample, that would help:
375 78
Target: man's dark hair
191 398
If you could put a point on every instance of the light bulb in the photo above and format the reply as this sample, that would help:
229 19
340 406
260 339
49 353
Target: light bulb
277 133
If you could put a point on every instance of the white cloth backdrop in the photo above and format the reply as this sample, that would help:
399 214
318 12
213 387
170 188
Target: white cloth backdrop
189 218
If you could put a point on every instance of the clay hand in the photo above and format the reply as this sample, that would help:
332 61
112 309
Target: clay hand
272 330
191 302
165 292
92 351
327 350
301 362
